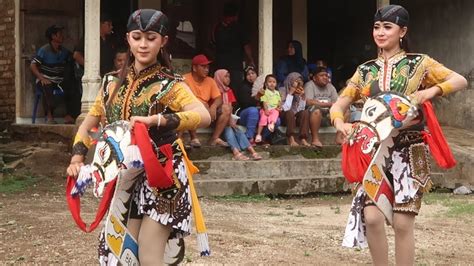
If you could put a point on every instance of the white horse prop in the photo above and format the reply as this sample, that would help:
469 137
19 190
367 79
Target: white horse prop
115 167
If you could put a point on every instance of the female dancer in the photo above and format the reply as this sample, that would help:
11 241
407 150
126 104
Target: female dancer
421 78
146 91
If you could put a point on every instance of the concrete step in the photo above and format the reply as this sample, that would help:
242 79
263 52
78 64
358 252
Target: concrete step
273 169
267 151
327 135
294 185
59 133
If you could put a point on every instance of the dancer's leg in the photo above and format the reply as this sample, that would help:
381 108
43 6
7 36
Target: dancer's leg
152 240
404 225
375 224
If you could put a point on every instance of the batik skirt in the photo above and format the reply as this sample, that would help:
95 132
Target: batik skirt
408 168
170 207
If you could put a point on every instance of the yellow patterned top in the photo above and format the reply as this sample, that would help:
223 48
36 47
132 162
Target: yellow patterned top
404 72
153 90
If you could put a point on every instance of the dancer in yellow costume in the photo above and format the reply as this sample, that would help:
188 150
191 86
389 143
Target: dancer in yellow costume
146 91
406 166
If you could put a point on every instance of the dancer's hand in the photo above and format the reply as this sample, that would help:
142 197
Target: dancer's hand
147 120
75 166
344 128
422 96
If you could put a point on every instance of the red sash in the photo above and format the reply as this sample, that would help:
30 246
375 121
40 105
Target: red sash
435 139
157 176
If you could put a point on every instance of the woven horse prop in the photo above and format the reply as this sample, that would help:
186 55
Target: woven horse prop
116 165
365 153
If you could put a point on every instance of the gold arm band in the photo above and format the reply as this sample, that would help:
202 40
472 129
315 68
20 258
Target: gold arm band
188 120
445 87
336 114
86 141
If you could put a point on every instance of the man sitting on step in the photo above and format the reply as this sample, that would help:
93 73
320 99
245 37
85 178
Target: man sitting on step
320 95
206 90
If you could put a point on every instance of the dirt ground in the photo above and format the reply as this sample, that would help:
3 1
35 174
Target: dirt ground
36 227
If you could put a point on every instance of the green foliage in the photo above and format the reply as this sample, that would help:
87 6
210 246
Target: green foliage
336 209
242 198
300 214
458 205
13 184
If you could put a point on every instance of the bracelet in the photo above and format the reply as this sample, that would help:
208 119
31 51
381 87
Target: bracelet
79 149
334 115
159 121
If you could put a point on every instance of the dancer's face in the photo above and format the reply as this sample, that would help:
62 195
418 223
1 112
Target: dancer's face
145 46
387 35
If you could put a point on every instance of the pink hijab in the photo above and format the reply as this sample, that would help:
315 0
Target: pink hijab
227 93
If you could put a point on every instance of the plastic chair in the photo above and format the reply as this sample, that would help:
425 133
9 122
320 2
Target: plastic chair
57 91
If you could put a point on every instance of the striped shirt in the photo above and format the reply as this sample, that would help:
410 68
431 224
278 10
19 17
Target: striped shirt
50 63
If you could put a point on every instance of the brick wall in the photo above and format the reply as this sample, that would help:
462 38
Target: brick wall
7 60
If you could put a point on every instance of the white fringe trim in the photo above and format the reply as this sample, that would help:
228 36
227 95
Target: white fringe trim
133 157
83 181
203 244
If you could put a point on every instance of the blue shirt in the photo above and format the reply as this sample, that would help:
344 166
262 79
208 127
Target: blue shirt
50 63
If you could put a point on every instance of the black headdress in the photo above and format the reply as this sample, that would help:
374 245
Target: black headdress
148 20
393 13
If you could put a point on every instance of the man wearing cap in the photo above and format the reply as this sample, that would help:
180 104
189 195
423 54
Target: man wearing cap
48 66
206 90
320 95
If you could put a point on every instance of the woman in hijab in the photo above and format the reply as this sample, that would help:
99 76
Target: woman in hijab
420 78
146 91
247 104
292 62
294 113
236 138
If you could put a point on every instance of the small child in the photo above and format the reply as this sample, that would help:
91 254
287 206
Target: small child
271 100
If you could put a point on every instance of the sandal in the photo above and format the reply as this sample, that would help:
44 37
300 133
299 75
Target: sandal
256 156
240 157
305 143
219 142
195 143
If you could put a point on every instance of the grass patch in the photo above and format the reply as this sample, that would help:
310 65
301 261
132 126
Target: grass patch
270 213
461 209
300 214
458 205
13 184
242 198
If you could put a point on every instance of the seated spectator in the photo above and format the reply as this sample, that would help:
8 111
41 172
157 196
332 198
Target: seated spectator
271 101
206 90
294 112
247 104
320 95
49 67
292 62
120 58
319 63
234 136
